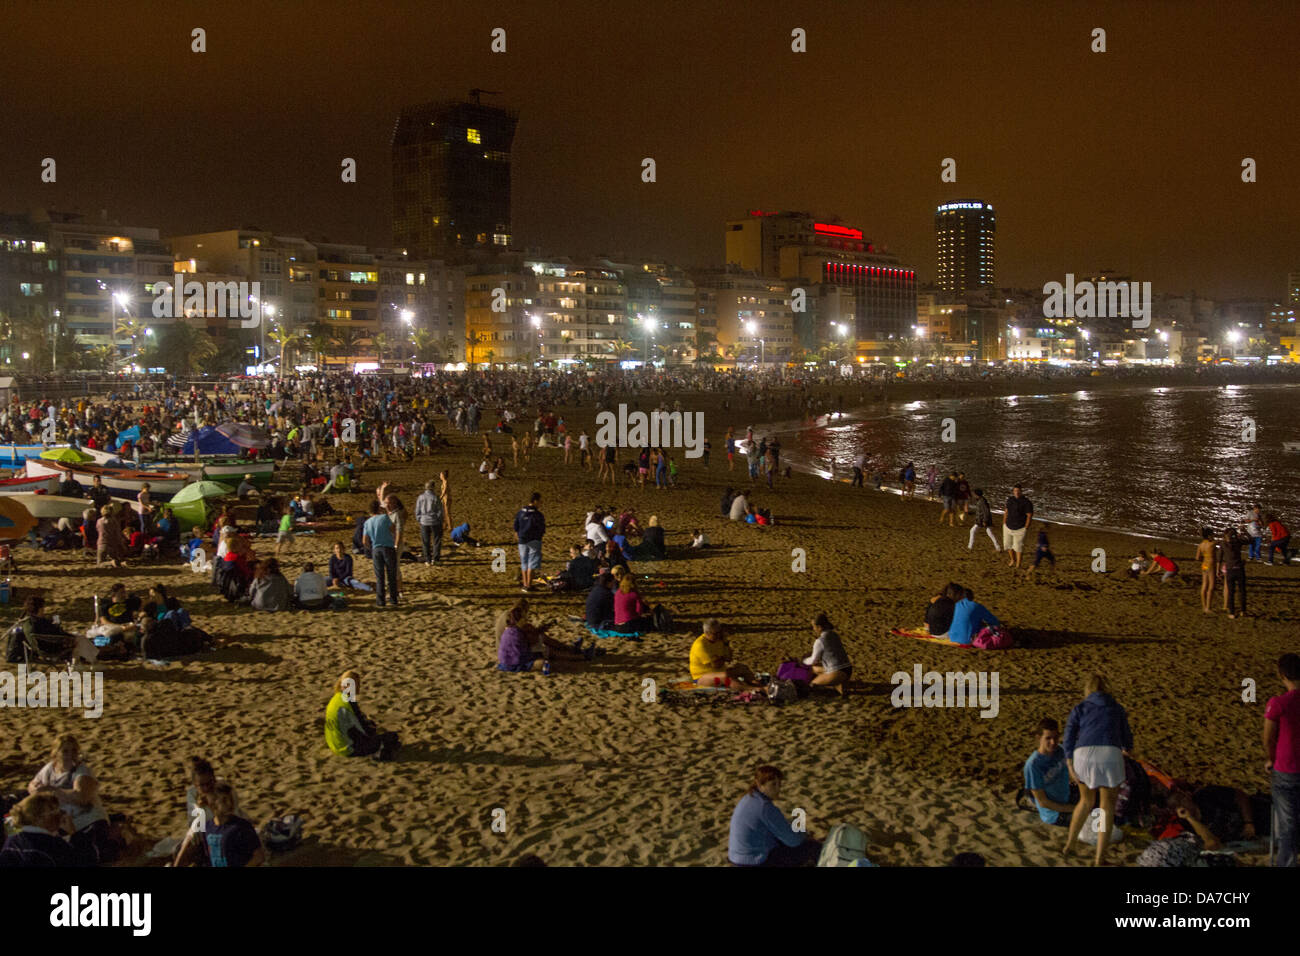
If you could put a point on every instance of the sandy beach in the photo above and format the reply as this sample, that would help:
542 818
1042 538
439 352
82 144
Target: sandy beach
586 771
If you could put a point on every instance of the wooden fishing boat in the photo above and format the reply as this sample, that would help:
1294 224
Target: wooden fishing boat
120 482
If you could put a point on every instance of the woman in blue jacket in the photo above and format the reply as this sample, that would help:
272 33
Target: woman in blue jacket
1097 737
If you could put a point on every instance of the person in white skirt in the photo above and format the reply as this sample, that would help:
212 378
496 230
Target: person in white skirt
1097 736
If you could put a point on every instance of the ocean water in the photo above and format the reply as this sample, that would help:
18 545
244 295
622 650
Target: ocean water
1158 461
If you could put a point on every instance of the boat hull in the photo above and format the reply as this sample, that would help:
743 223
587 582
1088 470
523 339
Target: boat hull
120 482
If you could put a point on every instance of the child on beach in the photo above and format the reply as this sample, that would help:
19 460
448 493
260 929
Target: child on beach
1163 563
285 534
1044 551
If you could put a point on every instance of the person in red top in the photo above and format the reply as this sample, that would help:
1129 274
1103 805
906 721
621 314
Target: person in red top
1280 540
1166 564
1282 747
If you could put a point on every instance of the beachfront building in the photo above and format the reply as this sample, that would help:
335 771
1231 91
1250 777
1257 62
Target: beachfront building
30 280
750 313
524 310
964 233
662 310
422 307
86 277
807 253
451 179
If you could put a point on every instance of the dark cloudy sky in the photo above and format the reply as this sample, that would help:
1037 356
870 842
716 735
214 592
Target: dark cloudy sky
1129 160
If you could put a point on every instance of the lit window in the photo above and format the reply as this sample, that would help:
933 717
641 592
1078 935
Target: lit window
473 136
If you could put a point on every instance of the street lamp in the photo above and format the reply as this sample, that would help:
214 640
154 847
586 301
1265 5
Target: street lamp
752 329
123 301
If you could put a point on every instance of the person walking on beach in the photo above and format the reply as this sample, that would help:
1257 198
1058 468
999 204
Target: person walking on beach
1234 573
908 478
530 526
1210 568
859 467
1255 531
731 448
948 496
963 497
1097 736
1279 540
1282 750
1015 523
983 519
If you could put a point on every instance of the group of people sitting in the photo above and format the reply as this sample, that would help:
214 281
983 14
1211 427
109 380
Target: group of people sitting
955 615
737 506
713 663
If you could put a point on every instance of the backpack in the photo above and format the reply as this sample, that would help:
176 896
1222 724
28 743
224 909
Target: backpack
782 691
228 583
845 845
282 834
663 618
794 671
993 639
14 644
1134 796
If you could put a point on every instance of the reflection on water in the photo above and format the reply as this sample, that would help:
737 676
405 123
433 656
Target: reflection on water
1156 460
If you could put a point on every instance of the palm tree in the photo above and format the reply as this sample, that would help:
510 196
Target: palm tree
473 340
324 339
287 339
426 347
101 357
350 338
621 348
491 357
380 341
449 346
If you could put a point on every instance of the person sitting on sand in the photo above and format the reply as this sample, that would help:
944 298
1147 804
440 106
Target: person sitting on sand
1159 561
348 732
74 785
739 507
600 603
760 835
36 841
699 539
938 616
630 613
309 590
652 547
711 660
968 618
226 838
247 489
829 661
1097 736
341 571
1047 776
580 572
270 590
202 786
595 527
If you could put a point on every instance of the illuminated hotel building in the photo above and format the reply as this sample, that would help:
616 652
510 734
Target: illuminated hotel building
964 231
795 247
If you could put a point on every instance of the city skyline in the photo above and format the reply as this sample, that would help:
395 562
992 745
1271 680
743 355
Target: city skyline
1153 191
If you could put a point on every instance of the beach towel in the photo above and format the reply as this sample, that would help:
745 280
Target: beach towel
928 637
604 632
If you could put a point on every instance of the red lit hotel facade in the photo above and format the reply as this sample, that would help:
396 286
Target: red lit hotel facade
829 260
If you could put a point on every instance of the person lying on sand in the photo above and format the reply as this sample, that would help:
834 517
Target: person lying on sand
711 660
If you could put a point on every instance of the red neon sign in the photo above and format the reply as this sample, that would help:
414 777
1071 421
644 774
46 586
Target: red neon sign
826 229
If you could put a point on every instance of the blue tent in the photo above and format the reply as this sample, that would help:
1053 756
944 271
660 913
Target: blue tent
210 442
126 435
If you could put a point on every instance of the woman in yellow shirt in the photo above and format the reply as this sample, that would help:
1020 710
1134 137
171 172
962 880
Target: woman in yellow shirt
711 658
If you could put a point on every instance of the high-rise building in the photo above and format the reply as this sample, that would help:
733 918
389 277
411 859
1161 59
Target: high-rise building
964 231
1293 287
451 179
808 254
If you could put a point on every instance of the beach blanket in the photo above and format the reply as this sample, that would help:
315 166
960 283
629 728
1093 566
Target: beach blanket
598 632
927 637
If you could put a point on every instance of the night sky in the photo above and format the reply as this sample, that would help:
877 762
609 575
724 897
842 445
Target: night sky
1128 160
